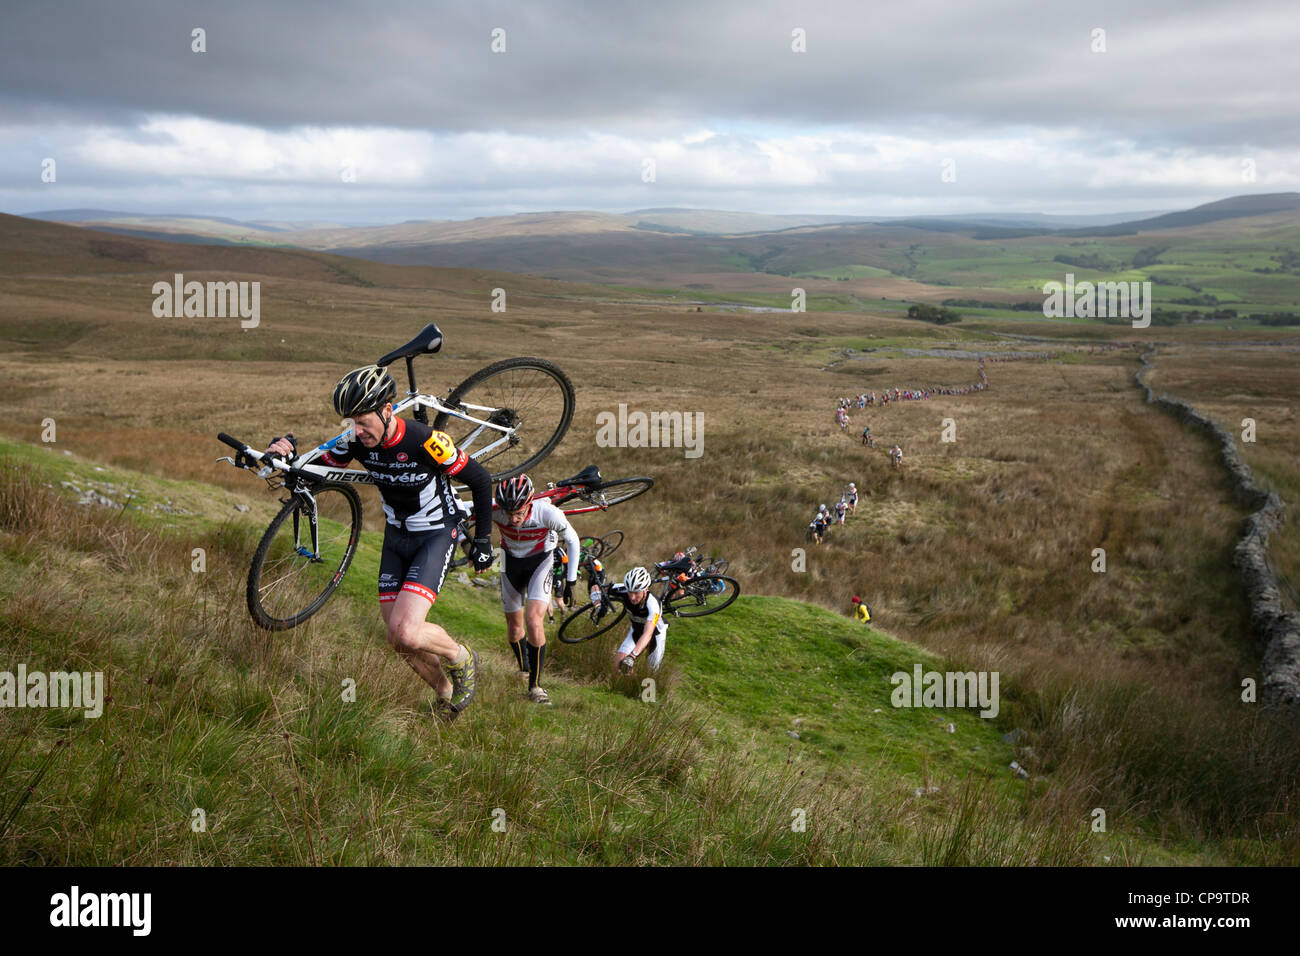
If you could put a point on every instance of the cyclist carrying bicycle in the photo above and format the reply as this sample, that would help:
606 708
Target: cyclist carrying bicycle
851 496
530 530
413 466
647 629
896 456
820 522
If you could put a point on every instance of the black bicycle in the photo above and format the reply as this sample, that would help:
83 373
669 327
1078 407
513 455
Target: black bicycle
600 614
691 591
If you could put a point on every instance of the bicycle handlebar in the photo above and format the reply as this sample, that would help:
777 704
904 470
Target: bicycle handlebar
258 456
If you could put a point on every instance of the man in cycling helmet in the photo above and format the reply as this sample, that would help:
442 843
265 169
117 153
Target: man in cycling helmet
413 465
647 628
530 530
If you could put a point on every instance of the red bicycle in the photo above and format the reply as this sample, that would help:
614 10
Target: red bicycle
585 492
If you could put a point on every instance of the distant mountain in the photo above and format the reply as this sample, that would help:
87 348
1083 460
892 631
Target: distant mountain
1234 207
109 215
724 222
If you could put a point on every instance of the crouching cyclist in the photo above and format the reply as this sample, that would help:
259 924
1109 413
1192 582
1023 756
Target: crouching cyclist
413 466
648 628
530 530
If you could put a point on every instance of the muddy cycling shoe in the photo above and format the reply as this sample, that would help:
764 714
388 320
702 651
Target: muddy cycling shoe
464 680
539 696
443 710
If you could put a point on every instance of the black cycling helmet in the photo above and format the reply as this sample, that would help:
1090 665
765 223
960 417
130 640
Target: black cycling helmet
365 389
514 493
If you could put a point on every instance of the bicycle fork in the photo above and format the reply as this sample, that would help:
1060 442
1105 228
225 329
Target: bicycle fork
313 553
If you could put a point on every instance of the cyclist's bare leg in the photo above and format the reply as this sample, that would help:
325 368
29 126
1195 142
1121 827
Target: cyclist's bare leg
534 612
420 643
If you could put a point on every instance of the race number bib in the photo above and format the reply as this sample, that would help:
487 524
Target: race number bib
440 447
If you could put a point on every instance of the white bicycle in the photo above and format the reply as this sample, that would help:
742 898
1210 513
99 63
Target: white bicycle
509 416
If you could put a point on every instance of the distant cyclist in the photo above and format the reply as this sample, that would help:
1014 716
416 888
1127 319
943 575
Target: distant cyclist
647 630
819 525
895 456
413 466
851 496
866 436
530 530
841 510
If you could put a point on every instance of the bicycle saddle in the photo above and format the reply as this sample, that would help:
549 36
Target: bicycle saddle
429 340
681 564
588 476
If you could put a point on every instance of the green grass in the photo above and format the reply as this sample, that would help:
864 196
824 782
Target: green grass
250 727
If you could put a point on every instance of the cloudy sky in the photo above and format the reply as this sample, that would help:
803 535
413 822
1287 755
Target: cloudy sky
389 110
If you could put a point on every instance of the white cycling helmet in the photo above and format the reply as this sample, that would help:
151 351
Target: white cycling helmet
852 486
638 579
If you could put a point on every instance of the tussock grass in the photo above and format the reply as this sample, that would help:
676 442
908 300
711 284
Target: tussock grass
209 713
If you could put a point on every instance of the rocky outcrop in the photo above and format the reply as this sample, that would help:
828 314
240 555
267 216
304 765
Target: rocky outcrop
1276 630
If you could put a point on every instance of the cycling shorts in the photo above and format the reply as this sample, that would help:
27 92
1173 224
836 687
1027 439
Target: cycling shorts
655 649
414 561
526 579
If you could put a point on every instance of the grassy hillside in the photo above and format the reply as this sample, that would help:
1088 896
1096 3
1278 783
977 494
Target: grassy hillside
1126 684
207 712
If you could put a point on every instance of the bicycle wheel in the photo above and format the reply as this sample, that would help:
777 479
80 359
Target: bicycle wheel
288 582
530 395
718 567
588 621
607 494
701 596
610 543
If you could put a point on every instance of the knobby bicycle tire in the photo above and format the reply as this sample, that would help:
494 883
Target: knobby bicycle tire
448 423
689 598
599 497
570 628
257 590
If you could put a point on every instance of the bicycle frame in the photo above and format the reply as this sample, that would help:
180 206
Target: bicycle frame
557 495
419 403
304 471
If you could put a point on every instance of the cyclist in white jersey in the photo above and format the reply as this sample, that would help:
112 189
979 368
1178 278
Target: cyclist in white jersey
530 529
647 629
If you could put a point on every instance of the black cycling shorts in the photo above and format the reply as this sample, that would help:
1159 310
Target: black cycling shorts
415 561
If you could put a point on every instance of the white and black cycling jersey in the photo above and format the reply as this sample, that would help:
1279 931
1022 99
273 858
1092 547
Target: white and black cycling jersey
412 471
638 614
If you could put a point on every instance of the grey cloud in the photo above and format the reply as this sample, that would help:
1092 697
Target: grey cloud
1170 68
